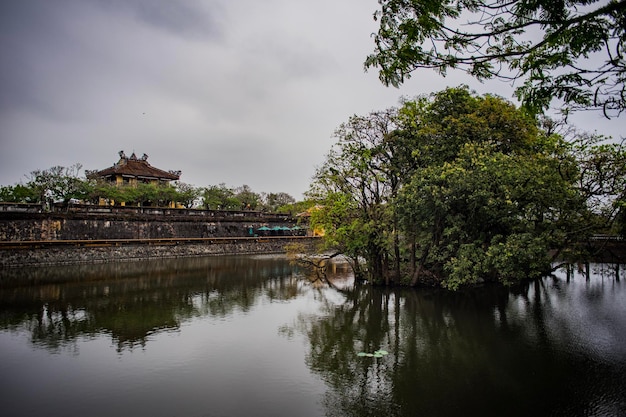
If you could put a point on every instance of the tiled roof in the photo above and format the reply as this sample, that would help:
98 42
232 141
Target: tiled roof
135 167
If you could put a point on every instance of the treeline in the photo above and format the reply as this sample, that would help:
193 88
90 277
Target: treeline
64 185
454 189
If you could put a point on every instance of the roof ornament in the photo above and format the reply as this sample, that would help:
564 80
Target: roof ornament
133 167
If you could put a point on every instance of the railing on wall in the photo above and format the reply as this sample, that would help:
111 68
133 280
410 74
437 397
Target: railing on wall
21 207
130 210
36 244
166 211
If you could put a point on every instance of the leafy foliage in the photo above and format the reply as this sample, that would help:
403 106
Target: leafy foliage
220 197
58 184
297 207
456 189
63 184
471 214
187 194
360 177
19 193
273 202
573 51
248 199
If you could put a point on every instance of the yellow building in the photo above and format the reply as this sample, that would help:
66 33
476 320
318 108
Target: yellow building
317 231
132 171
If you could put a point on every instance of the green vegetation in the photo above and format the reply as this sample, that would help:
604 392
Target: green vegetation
221 197
573 51
377 354
456 189
58 183
64 185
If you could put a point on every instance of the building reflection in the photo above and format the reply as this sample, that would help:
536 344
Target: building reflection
131 301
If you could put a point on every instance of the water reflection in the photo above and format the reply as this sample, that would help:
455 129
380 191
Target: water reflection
251 336
551 348
130 301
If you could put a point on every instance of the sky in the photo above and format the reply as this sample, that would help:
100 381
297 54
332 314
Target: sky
226 91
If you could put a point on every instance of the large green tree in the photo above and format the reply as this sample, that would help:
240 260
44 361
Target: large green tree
220 197
187 194
272 202
360 177
487 215
248 198
574 51
18 193
602 179
491 196
58 184
454 189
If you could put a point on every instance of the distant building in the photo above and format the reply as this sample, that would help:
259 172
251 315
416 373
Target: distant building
317 231
132 170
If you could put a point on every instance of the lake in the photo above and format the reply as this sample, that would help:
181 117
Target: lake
253 336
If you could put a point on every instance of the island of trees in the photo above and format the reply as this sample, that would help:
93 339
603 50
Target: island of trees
455 189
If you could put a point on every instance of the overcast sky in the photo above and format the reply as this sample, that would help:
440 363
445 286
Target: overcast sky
227 91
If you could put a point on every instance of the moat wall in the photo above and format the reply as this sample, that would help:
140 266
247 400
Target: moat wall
68 255
237 233
88 226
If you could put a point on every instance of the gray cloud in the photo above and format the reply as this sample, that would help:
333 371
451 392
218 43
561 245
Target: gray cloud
192 18
240 92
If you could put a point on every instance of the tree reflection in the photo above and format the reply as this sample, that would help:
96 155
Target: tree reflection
132 301
553 347
486 351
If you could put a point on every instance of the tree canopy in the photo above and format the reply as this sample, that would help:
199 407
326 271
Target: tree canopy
455 188
573 51
64 184
57 183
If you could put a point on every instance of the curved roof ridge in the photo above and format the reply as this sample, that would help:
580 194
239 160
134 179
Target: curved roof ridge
136 167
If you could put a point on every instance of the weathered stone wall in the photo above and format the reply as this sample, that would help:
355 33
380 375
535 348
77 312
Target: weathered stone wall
106 225
60 255
83 226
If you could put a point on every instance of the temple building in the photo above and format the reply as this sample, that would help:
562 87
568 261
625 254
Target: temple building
132 170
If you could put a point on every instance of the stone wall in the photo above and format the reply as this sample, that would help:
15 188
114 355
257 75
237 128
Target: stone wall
15 226
62 255
97 228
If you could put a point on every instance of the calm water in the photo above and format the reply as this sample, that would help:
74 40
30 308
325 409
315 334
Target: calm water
251 336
